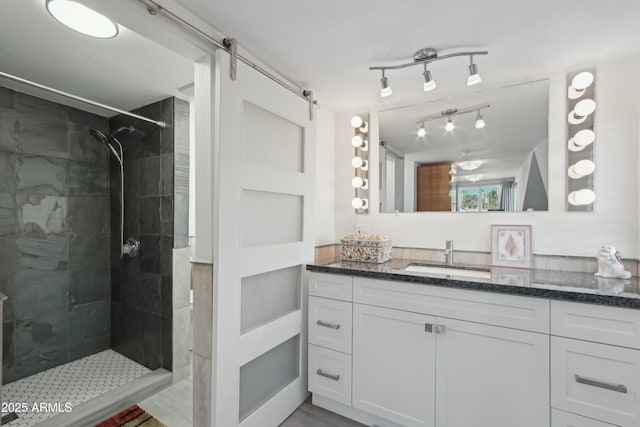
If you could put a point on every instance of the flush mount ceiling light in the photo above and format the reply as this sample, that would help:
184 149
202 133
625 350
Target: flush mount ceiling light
426 56
449 114
470 165
80 18
579 83
473 178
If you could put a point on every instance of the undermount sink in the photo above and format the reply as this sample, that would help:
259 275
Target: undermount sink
450 271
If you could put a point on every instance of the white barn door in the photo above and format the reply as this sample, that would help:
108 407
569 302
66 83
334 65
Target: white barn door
264 206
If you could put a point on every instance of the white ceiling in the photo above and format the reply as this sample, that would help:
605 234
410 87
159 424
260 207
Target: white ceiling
126 72
328 45
516 122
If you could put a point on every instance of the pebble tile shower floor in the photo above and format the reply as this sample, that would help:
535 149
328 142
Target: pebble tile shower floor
75 383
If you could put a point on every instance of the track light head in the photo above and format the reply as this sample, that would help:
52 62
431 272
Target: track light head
449 126
480 121
474 77
429 84
385 87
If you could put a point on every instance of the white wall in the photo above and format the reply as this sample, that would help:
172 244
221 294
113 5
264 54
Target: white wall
615 219
325 178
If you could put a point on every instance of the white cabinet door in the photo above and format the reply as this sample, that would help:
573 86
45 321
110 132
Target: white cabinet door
394 365
488 376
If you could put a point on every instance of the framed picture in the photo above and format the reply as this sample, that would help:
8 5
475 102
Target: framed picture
511 246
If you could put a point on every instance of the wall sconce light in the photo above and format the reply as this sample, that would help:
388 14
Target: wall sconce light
581 108
426 56
360 163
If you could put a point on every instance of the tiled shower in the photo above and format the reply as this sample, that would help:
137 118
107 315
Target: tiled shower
69 293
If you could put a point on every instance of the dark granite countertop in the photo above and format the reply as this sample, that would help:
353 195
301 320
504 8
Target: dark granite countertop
561 285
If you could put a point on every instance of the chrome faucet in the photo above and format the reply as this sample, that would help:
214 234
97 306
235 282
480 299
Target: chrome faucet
448 252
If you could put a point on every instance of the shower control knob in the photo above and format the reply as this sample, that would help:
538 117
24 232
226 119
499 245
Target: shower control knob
131 248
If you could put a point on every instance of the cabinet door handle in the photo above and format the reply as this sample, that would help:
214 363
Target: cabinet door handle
441 329
331 377
328 325
619 388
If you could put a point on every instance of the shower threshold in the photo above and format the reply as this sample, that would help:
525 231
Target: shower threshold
83 392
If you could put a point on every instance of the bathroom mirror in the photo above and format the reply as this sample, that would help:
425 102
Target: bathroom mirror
479 152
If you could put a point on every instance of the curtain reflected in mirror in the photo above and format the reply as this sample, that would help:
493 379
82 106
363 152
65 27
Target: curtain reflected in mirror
435 157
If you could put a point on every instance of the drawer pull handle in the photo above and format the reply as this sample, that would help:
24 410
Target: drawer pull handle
620 388
331 377
328 325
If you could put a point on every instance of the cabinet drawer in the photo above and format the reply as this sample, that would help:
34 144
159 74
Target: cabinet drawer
565 419
330 323
609 325
334 286
518 312
596 380
330 374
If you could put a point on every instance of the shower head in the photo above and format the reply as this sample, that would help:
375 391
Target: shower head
107 140
99 136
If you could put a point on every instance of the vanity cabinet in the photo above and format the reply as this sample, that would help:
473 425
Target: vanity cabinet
394 363
595 363
489 376
425 356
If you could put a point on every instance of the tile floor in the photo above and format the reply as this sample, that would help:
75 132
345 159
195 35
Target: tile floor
73 383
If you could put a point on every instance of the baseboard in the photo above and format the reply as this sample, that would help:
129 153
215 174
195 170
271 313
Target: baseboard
351 412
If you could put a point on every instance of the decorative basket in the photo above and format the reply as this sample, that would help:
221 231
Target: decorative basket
365 248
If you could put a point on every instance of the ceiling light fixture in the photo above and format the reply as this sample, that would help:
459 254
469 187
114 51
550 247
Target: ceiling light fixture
385 87
429 83
473 178
450 113
422 131
474 77
470 165
480 121
80 18
426 56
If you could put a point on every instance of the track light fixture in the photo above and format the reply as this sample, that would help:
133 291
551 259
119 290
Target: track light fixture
449 114
426 56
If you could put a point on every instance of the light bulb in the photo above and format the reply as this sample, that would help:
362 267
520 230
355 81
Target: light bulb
574 147
422 131
429 83
571 173
584 167
585 107
82 19
356 121
479 121
357 203
584 137
582 80
474 77
357 141
449 126
584 196
385 87
356 162
357 182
